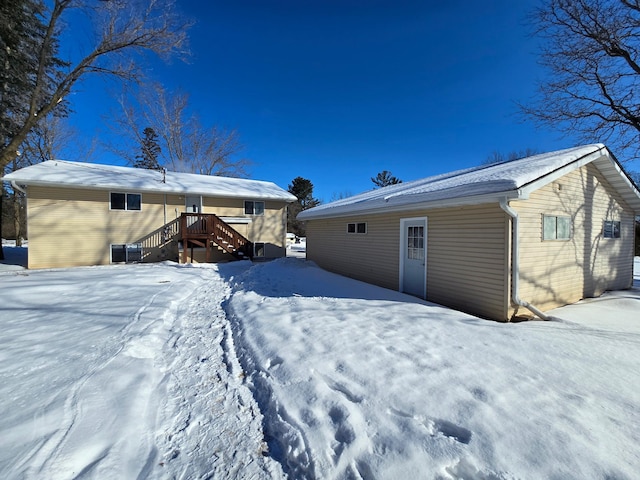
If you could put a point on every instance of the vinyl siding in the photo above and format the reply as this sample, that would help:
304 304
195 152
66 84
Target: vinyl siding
556 273
466 251
72 227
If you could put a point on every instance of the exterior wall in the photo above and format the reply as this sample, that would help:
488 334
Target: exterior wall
466 254
555 272
72 227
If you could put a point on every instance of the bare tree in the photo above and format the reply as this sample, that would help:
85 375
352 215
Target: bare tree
186 144
591 49
499 157
43 142
123 29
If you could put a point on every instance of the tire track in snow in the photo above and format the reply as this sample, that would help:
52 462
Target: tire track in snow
48 452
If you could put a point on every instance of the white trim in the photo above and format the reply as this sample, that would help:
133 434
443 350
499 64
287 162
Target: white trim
237 220
403 242
126 202
562 171
349 211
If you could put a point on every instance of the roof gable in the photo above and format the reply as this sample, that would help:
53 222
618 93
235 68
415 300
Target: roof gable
482 184
60 173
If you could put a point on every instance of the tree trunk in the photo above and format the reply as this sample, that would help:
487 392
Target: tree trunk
1 198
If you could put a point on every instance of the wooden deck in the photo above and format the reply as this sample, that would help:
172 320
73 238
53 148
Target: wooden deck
205 230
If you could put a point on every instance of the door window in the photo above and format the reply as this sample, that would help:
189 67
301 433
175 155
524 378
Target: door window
415 243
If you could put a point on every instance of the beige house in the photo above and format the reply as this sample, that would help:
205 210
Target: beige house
499 241
90 214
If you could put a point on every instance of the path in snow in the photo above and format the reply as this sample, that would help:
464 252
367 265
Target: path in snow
123 372
215 425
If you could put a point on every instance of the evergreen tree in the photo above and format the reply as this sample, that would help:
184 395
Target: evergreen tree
302 188
149 151
384 179
23 50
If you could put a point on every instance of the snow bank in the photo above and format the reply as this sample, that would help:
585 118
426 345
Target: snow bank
240 371
357 381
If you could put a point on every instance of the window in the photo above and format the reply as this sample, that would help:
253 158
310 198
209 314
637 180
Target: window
360 227
126 201
258 249
126 253
611 229
253 208
415 243
556 228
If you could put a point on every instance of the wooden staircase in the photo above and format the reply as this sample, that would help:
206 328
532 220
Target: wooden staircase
205 229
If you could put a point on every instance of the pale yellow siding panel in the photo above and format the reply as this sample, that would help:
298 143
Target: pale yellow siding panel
555 273
72 227
466 251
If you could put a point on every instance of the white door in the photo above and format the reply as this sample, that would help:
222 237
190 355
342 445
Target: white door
193 204
413 256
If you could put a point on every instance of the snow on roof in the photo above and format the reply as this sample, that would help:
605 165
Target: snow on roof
473 185
110 177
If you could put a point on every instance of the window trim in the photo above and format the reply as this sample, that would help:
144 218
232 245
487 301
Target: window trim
126 202
253 208
264 249
126 252
555 238
613 229
356 226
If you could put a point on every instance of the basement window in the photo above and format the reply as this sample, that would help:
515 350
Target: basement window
360 227
125 201
258 249
126 253
556 227
253 208
611 229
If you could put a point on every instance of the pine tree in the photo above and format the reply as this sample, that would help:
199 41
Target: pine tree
149 151
302 188
384 179
22 52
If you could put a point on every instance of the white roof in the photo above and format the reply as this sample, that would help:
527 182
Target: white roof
109 177
483 184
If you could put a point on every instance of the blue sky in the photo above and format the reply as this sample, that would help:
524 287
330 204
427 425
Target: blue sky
336 91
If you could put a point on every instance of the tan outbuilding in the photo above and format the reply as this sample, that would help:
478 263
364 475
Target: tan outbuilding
501 241
91 214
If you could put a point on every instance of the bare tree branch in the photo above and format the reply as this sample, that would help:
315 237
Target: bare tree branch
186 144
124 29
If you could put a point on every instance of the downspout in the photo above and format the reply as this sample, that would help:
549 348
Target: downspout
515 262
20 189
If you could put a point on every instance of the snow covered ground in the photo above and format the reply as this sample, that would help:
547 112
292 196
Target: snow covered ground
280 368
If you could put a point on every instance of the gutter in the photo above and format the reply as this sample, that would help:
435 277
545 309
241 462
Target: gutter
515 262
20 189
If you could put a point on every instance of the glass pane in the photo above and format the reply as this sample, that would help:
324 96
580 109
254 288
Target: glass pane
351 228
362 227
258 208
117 201
549 228
563 228
259 249
420 232
134 252
134 201
248 208
616 229
118 253
608 229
